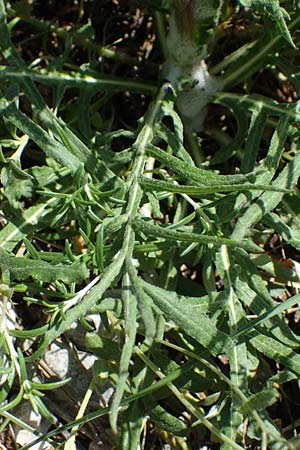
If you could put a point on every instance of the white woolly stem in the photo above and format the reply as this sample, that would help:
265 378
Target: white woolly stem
186 58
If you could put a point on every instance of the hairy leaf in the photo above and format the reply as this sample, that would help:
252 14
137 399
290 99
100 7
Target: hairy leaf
23 268
272 10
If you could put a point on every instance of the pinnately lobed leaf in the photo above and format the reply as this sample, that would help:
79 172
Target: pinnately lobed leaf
272 10
185 314
156 212
21 268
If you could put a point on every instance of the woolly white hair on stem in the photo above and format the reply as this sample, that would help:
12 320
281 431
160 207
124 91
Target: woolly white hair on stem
186 52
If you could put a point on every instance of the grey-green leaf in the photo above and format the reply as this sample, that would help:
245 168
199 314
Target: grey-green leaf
21 268
184 312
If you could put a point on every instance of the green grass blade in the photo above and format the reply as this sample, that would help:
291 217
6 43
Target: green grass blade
269 315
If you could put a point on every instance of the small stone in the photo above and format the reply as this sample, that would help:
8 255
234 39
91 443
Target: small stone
23 437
